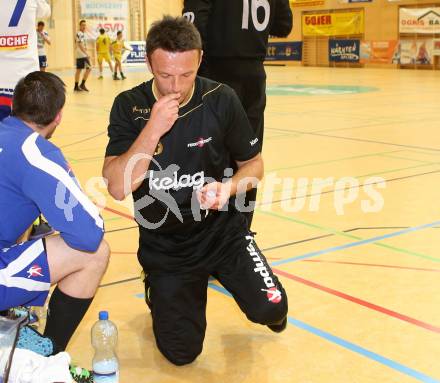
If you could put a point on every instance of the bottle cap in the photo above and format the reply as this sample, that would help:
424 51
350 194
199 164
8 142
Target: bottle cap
103 315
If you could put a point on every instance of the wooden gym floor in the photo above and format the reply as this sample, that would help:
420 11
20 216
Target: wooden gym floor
362 286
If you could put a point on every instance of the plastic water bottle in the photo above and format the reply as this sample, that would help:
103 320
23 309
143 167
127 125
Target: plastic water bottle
105 363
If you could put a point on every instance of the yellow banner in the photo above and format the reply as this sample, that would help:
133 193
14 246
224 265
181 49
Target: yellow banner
305 3
333 24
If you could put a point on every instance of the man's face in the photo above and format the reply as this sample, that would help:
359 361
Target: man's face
82 27
40 28
175 72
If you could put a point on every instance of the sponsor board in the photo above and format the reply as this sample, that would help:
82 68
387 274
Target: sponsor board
419 20
289 50
333 24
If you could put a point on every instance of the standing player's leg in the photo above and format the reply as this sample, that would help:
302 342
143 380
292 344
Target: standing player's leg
254 100
120 68
118 64
88 68
248 79
109 62
178 308
100 65
246 274
254 103
115 74
80 65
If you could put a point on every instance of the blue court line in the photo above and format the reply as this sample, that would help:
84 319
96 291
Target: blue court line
220 289
350 346
354 244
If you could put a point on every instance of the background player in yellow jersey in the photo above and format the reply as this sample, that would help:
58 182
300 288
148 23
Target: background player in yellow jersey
118 47
103 47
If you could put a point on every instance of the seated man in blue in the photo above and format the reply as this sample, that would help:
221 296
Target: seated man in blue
36 179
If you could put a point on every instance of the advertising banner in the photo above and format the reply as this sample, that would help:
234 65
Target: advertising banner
436 47
333 24
419 20
343 50
416 52
305 3
112 15
137 55
289 50
379 52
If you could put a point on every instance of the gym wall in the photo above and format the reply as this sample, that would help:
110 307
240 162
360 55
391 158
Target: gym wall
381 23
63 25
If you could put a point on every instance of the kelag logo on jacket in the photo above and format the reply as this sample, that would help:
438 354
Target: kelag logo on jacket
344 50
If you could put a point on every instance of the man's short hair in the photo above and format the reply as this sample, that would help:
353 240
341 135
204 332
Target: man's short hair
41 23
81 21
38 98
102 31
118 33
173 34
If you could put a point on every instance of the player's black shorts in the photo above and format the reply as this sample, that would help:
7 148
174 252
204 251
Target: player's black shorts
178 294
83 63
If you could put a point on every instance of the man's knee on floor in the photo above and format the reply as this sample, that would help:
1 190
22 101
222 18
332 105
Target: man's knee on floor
181 355
269 313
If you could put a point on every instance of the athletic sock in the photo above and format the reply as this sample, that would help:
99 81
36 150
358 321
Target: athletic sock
63 317
83 82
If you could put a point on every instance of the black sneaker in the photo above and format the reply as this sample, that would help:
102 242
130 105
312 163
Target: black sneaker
83 87
115 77
77 89
278 327
122 76
81 375
41 230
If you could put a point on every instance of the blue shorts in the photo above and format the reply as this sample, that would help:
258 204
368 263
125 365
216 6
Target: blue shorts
24 275
43 61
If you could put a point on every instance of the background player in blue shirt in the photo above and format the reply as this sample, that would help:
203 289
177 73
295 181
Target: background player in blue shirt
35 179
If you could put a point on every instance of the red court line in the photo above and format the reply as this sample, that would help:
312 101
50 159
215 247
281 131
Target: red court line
372 265
117 212
339 294
359 301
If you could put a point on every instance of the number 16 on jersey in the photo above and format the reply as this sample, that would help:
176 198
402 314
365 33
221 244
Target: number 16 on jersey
254 5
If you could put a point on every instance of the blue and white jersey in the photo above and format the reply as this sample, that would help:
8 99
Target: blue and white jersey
35 179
